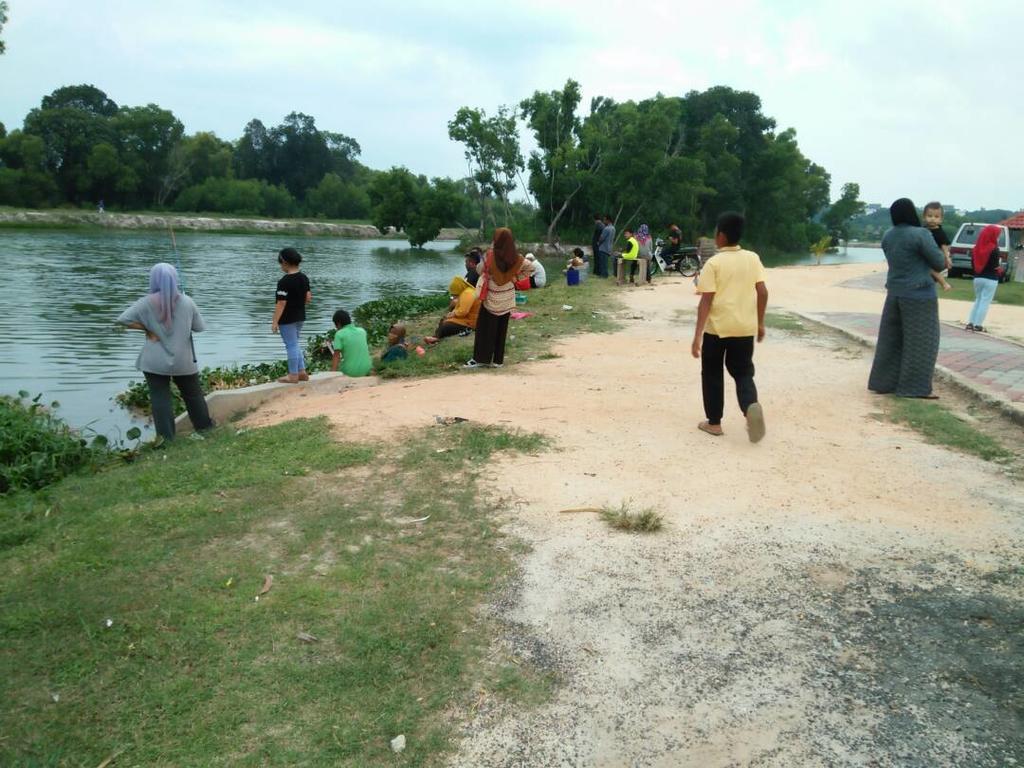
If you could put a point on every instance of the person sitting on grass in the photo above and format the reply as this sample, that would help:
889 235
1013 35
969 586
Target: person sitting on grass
398 348
465 309
350 347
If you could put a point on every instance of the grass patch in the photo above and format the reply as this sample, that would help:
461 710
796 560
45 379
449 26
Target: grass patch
593 306
781 321
963 290
191 669
625 519
939 426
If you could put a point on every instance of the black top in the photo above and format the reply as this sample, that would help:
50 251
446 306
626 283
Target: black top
990 272
472 276
596 238
292 289
941 238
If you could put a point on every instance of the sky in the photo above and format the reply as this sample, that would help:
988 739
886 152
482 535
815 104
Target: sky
905 99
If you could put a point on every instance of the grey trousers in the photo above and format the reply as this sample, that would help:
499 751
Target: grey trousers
163 406
907 348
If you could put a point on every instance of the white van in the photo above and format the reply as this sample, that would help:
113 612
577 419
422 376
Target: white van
963 243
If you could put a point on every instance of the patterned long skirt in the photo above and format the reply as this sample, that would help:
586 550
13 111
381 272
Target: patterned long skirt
908 345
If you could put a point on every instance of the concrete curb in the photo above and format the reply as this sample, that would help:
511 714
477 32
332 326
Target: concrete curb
224 404
1011 410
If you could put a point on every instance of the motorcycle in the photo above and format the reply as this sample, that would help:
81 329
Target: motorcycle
684 260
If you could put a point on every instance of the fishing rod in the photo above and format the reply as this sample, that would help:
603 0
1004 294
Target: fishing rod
177 258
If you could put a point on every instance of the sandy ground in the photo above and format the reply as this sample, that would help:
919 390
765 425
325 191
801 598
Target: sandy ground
839 594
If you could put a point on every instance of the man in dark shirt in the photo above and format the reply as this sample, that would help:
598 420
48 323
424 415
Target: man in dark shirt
472 259
595 239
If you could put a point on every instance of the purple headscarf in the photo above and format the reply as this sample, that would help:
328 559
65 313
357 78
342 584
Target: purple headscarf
163 290
643 234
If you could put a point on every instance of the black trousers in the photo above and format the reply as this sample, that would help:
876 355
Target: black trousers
163 408
489 343
737 356
446 328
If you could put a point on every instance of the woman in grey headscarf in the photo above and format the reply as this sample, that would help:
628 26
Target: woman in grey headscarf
908 335
168 318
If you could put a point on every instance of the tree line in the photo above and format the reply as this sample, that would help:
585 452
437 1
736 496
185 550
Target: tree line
661 160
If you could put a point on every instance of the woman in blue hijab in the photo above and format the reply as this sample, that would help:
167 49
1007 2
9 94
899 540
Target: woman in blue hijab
169 318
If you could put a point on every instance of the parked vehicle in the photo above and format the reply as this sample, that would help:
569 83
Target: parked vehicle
963 243
684 260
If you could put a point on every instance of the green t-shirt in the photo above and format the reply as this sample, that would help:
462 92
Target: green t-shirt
350 341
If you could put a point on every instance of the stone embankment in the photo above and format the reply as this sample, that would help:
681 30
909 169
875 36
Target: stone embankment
145 221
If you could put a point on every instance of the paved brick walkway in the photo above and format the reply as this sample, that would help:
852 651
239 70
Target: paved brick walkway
992 366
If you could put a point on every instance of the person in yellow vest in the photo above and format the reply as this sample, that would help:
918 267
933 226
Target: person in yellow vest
730 316
628 257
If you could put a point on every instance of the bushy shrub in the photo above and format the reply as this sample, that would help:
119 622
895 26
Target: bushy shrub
36 447
247 197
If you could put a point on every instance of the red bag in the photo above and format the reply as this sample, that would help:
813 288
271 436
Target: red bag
485 277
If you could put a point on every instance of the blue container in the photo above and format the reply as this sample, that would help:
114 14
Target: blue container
572 277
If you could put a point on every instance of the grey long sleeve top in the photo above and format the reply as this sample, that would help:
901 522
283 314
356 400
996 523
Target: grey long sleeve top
911 253
171 354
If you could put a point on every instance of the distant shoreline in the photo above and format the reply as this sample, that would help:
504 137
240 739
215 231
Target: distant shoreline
29 220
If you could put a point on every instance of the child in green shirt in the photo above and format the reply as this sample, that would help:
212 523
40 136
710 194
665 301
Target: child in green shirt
350 347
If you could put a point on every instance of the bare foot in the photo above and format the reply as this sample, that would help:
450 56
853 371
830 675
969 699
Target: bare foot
430 339
711 429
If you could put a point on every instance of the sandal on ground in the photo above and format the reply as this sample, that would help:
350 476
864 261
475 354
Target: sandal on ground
968 327
287 380
472 364
711 429
303 377
755 422
979 329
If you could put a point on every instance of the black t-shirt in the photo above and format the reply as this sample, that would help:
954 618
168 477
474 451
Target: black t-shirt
292 290
941 238
991 267
472 276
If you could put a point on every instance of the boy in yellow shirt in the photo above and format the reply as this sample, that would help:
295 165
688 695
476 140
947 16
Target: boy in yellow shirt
729 317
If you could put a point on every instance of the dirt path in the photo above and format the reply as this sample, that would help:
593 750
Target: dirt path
840 594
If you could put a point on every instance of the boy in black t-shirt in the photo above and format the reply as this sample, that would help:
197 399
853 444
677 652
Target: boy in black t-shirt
933 221
290 300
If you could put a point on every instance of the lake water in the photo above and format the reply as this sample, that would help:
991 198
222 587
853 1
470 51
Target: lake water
62 292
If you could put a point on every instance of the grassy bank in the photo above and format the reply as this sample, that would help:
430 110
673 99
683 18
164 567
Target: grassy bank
963 290
556 311
257 598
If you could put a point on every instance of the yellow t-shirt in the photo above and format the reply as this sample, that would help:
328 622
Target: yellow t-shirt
731 275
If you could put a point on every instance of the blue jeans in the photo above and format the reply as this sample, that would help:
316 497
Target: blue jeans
290 337
984 292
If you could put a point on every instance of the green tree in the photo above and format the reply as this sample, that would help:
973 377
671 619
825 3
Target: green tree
3 20
560 166
70 121
492 153
393 195
254 152
336 198
86 98
436 205
837 217
301 155
146 137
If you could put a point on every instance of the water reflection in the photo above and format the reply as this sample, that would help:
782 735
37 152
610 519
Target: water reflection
67 289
